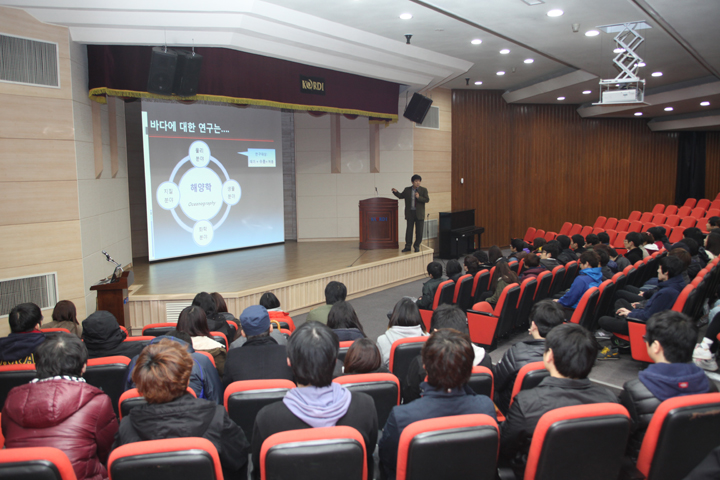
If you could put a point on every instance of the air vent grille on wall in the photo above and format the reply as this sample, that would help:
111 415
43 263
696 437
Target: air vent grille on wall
30 62
172 310
432 119
431 228
40 290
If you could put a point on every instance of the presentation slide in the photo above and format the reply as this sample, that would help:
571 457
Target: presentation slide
213 178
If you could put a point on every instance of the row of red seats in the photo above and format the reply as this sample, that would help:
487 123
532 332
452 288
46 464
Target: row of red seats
670 217
674 444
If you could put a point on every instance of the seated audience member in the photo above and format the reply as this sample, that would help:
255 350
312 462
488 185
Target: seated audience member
223 313
566 253
538 243
544 316
405 322
453 270
272 305
65 316
549 254
617 262
517 246
697 235
24 338
317 402
706 351
669 339
607 273
104 338
58 409
448 359
604 238
162 374
589 276
633 241
446 316
204 378
434 270
647 247
502 278
363 356
712 245
661 240
494 254
696 264
591 240
472 266
533 267
260 357
192 320
570 353
483 259
671 283
334 292
578 244
345 322
713 223
215 321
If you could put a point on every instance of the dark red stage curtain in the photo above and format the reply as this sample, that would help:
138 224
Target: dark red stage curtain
237 77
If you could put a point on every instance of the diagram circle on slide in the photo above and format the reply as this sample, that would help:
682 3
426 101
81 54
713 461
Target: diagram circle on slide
168 195
199 153
203 232
231 192
200 193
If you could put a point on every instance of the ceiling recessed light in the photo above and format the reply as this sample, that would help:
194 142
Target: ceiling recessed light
638 114
657 74
529 60
704 104
476 41
641 64
561 98
406 16
500 73
592 33
586 92
555 13
478 82
669 109
505 51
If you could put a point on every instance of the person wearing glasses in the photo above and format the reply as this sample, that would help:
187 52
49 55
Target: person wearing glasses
670 339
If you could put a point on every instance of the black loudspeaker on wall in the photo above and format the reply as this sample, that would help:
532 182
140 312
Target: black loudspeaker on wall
187 73
417 108
174 71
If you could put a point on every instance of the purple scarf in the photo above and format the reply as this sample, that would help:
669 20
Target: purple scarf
319 406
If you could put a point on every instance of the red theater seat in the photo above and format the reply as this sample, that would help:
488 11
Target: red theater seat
583 314
529 376
314 453
158 329
35 463
463 292
569 441
109 375
449 447
403 352
12 376
658 208
384 388
444 294
169 459
529 235
682 432
244 399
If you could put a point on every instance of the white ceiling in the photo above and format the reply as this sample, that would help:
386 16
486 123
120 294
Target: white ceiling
367 37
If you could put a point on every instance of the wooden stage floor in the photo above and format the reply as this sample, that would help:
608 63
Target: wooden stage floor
251 268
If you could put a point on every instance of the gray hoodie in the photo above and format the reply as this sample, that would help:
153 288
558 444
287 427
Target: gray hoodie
385 341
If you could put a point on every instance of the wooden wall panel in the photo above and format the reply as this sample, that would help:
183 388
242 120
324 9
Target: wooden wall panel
42 202
40 243
542 165
712 164
36 117
37 161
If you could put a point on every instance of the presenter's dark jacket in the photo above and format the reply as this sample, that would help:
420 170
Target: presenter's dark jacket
420 202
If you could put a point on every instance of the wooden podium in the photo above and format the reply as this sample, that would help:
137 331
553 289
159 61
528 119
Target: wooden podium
378 223
112 297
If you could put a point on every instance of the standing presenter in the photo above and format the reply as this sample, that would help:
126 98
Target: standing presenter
415 199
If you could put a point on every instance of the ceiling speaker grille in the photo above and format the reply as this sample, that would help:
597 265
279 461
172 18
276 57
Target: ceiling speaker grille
29 62
40 290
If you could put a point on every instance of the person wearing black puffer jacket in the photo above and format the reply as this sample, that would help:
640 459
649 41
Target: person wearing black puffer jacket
669 339
104 338
543 317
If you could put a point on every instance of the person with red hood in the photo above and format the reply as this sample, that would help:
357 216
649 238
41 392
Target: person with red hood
58 409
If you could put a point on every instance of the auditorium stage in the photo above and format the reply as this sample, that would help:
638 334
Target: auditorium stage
296 272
